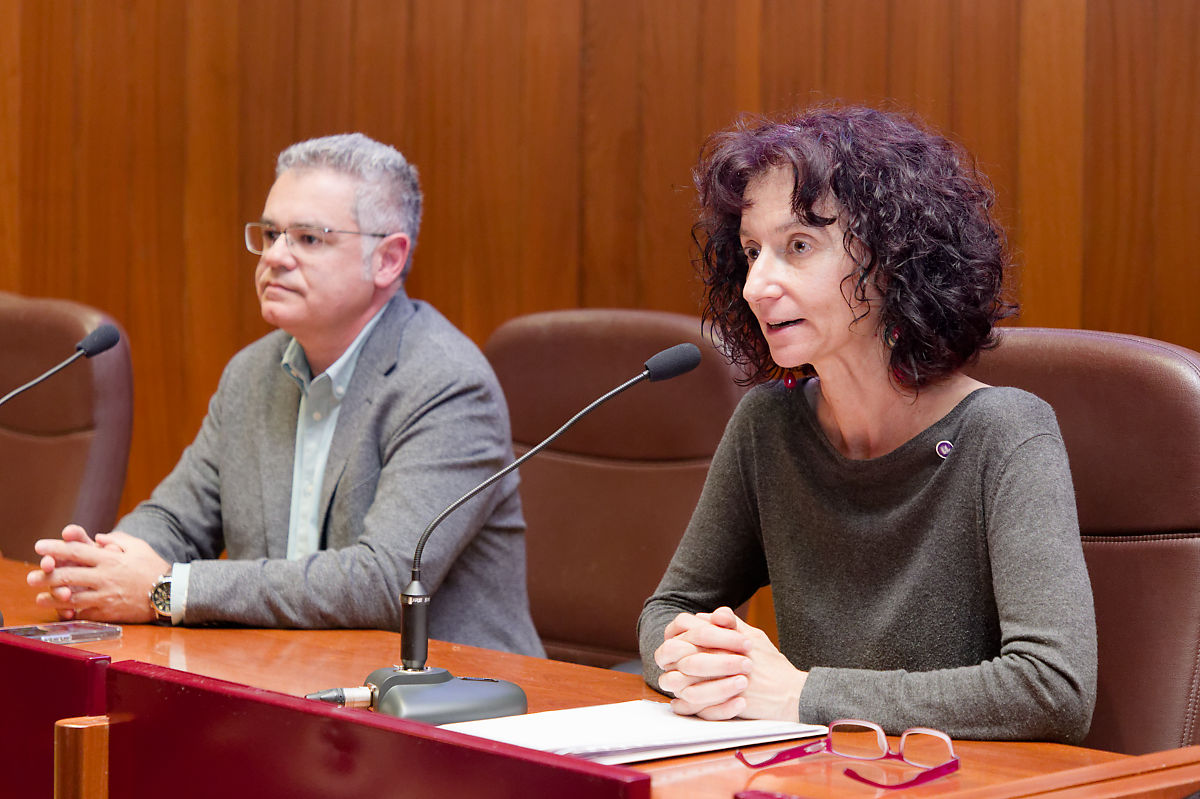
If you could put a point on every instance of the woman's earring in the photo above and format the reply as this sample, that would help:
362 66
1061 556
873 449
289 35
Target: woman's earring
789 380
892 337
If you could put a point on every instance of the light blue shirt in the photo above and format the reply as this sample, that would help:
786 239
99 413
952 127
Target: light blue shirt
320 402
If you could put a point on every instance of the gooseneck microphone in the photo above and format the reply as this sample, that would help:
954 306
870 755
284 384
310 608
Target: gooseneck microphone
94 343
413 691
414 640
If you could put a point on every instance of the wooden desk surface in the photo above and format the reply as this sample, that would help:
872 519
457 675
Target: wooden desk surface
297 662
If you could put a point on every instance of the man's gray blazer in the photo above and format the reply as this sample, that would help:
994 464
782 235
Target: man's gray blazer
422 422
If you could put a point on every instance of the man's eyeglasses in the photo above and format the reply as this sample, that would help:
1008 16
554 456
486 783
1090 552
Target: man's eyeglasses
929 749
301 239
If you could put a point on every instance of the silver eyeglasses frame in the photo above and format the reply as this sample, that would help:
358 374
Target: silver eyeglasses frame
300 239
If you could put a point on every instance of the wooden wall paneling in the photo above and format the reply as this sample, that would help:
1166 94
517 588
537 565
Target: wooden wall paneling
792 50
105 138
748 61
549 204
984 96
10 151
103 161
1175 209
439 77
857 51
487 241
1050 170
921 59
671 136
730 52
1118 247
47 148
612 155
323 56
213 254
380 76
144 271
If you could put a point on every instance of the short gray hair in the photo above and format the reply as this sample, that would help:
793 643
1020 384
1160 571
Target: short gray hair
388 197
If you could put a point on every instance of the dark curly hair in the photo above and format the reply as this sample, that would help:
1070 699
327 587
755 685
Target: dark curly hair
918 225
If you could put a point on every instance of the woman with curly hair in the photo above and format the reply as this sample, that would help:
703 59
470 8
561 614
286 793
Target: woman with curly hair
916 526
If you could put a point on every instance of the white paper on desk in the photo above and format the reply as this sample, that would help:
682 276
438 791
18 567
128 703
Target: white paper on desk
626 732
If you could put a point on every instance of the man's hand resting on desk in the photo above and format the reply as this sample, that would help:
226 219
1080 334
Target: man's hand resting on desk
108 579
719 667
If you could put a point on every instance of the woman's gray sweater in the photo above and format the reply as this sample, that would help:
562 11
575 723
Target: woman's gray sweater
916 589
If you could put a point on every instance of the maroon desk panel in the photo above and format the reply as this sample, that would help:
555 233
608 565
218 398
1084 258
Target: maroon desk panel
43 683
194 736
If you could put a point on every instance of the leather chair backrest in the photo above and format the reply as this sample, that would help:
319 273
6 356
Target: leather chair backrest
1129 410
64 444
607 502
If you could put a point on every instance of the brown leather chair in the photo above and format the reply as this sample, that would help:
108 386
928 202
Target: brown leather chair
1129 410
607 502
65 442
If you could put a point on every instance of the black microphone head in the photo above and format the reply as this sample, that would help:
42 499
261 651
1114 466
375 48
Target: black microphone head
673 361
99 340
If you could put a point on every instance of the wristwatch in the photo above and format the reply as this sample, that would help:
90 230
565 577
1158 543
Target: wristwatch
160 599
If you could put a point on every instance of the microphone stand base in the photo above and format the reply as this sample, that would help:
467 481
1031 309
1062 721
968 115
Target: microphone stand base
435 696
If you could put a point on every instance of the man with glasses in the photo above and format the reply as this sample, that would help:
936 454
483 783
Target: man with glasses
329 444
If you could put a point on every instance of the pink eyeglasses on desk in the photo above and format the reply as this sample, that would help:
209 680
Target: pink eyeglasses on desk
929 749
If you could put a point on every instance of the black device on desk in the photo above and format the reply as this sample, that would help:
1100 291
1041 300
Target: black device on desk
414 691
